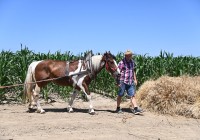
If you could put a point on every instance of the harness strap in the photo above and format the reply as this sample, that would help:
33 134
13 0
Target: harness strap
88 62
89 69
67 68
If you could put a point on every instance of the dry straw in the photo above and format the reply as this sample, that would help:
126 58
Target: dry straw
172 95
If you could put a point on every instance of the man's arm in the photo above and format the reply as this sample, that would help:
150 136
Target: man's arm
134 78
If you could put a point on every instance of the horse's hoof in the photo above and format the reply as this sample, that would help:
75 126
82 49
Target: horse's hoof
71 110
41 111
30 110
92 113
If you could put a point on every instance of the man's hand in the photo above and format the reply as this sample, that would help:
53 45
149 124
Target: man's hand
118 81
135 82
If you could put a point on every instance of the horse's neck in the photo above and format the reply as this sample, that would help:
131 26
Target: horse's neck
97 63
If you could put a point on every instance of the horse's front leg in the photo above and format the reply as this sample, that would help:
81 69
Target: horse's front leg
84 88
74 94
36 99
91 110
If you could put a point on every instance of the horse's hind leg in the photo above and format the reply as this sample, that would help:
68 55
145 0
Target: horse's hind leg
29 95
36 99
74 94
32 104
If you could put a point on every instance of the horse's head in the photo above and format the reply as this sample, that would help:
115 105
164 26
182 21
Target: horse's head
111 64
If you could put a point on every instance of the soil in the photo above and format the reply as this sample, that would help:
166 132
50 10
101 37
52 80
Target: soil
57 123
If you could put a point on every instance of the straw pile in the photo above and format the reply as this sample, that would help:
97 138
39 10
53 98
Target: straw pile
171 95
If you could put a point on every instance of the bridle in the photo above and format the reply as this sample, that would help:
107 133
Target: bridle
107 66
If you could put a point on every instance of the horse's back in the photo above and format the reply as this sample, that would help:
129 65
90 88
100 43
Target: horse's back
50 68
50 62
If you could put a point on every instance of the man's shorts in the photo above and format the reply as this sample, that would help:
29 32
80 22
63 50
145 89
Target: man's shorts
130 89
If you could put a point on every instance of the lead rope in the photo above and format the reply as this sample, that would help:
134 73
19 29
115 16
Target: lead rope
15 85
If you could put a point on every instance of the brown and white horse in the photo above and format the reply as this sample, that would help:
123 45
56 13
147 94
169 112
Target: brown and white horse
64 73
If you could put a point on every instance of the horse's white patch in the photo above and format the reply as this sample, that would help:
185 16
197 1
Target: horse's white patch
32 67
34 64
76 74
80 82
79 69
95 65
96 62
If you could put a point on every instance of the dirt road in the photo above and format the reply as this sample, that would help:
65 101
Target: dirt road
56 123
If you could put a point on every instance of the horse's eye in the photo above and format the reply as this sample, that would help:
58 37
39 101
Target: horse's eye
112 62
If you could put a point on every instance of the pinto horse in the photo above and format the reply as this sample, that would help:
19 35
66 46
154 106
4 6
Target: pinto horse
64 73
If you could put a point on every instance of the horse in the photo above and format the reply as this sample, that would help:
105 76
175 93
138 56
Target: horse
78 74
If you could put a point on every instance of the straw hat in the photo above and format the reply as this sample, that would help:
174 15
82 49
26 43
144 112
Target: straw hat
128 52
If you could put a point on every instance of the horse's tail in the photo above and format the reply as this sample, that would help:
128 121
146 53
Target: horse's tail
29 82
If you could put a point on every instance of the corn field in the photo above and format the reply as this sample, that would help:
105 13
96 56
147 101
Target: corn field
13 68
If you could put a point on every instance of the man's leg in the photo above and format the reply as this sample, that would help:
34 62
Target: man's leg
131 92
118 110
133 101
119 97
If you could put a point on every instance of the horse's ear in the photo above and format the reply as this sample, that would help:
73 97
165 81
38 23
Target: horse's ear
105 54
91 52
114 57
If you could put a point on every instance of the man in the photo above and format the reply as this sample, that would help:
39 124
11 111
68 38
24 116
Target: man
127 81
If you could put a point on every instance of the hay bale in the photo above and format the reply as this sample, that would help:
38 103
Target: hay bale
171 95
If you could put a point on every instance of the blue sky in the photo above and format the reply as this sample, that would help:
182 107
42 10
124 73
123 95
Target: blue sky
143 26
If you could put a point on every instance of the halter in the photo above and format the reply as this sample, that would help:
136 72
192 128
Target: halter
107 67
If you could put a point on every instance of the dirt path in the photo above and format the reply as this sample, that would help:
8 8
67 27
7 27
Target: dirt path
56 123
